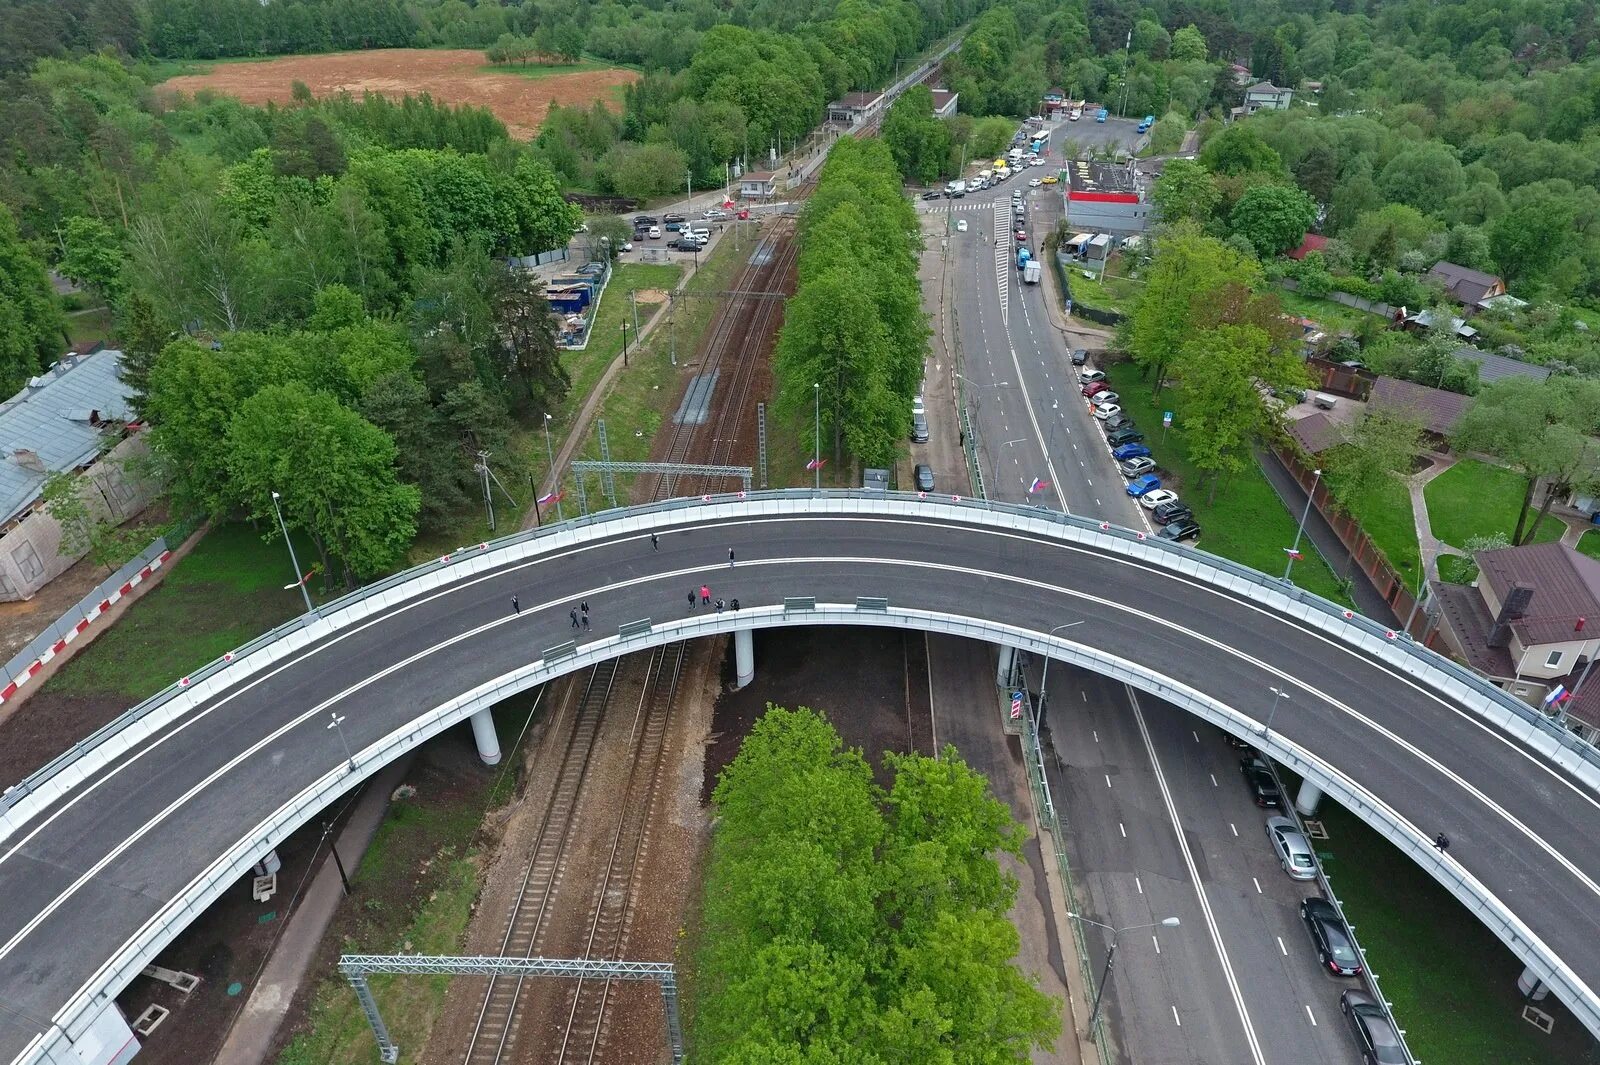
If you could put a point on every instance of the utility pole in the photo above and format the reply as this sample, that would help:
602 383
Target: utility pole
482 469
1127 60
633 302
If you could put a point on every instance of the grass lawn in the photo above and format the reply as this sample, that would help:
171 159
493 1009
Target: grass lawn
1333 317
544 70
227 591
1246 522
1385 514
605 341
1589 543
1105 294
1473 498
92 324
1453 984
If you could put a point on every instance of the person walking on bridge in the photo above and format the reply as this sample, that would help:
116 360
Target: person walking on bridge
705 595
516 607
691 598
573 614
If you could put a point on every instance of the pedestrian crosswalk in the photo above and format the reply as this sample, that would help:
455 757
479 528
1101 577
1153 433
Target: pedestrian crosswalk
936 206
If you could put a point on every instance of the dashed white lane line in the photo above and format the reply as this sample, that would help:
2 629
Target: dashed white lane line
1108 780
1156 941
1312 1017
1175 1018
1281 948
1213 780
1257 883
1123 829
1234 827
1138 884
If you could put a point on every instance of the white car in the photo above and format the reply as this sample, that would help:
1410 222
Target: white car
1152 500
1089 377
1107 411
1291 849
961 225
627 245
1034 183
1101 399
917 406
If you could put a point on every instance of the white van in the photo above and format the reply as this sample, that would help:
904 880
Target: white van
1014 155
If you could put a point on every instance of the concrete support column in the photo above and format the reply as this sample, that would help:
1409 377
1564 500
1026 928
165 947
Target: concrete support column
1308 798
268 864
1531 986
1008 658
744 657
483 733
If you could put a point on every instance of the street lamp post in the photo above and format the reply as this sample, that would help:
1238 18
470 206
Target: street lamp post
1278 695
334 724
1111 955
299 578
1044 680
1304 514
816 445
624 345
555 482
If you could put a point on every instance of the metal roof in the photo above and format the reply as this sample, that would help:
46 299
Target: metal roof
50 418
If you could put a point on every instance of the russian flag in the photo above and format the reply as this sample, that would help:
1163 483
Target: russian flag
551 498
816 464
1557 696
1293 553
1038 485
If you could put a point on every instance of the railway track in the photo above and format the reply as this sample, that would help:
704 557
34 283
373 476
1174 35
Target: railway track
494 1034
586 1025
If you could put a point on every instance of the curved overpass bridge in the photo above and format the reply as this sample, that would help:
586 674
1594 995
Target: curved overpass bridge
114 847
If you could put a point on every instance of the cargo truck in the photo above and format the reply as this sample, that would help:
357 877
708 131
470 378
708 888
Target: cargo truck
1031 271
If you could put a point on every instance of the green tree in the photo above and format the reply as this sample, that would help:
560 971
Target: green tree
1535 231
919 142
1274 218
1239 149
1189 45
334 471
608 231
1186 191
525 338
30 322
1222 372
1375 449
1188 268
1541 429
94 257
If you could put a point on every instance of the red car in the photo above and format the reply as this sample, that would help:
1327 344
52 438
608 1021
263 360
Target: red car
1094 388
1022 236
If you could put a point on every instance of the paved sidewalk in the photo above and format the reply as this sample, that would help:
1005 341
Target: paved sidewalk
255 1027
1429 546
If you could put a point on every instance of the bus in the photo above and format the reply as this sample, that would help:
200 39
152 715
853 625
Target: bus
1041 142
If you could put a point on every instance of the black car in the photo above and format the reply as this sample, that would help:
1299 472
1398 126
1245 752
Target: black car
1180 530
673 218
924 477
1262 787
1168 512
931 194
1380 1044
1330 936
1115 422
1080 356
645 221
1126 435
958 194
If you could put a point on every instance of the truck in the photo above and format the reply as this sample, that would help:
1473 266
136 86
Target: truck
1015 155
1031 271
1024 256
955 186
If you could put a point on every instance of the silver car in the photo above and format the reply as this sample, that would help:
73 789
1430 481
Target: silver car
1294 853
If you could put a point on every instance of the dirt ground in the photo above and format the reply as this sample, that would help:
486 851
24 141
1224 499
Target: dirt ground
454 76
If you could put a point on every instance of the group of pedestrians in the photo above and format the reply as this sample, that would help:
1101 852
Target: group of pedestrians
579 615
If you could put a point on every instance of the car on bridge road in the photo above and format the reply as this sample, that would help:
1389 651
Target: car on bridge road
1330 936
1130 451
1147 482
1126 435
1180 529
1380 1044
1293 852
1137 466
1161 496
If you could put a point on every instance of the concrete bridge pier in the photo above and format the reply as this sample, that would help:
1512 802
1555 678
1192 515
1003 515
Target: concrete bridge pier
744 657
1531 986
484 735
1008 659
268 864
1308 798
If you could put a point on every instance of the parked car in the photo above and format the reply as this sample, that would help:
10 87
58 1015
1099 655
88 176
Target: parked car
918 405
958 194
919 428
1263 789
1137 467
645 220
1094 388
923 474
1107 410
715 214
1330 936
1152 500
1130 451
931 194
1100 399
1293 852
1126 435
1180 529
961 225
1091 376
1374 1032
1080 356
1022 236
1116 421
1147 482
627 245
1172 512
654 232
674 218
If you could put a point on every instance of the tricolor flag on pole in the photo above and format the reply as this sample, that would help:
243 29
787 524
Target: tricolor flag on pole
1293 553
816 464
1038 485
553 497
1557 696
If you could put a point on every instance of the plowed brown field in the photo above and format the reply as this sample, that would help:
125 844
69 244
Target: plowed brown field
449 76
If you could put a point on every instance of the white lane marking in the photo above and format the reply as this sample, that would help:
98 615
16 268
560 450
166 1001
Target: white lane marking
1235 829
1139 885
1257 883
1123 829
1199 888
1311 1017
1108 780
1175 1018
1157 942
1195 734
1213 779
1281 948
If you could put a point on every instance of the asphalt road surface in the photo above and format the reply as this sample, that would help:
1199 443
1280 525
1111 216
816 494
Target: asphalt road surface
1237 981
